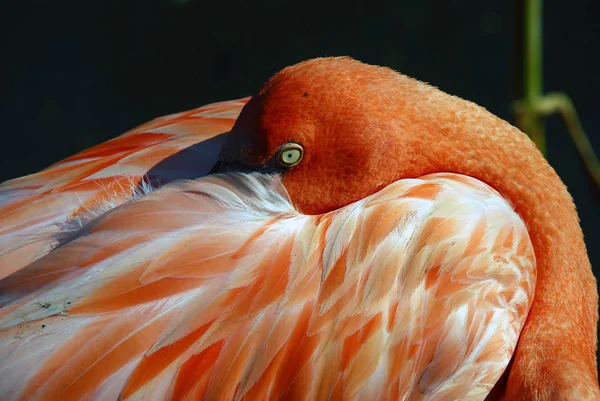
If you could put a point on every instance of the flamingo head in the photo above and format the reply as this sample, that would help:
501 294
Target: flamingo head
337 130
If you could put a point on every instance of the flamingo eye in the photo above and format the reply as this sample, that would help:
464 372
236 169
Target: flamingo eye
290 154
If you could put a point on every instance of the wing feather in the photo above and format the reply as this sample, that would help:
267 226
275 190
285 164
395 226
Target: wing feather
217 289
35 208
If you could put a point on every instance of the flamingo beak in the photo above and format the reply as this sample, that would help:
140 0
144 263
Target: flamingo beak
222 167
240 156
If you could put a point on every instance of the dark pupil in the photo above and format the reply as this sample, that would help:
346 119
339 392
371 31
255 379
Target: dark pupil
289 155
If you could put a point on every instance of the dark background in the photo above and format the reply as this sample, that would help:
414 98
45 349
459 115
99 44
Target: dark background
74 74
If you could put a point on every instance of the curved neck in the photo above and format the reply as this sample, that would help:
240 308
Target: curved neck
564 313
460 137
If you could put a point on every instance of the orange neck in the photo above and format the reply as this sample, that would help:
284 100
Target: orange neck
560 333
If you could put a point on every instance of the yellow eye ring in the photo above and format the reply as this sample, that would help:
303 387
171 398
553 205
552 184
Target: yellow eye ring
290 154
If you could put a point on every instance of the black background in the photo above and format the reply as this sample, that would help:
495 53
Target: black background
74 74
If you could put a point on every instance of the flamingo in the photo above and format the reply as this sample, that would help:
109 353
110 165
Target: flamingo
354 234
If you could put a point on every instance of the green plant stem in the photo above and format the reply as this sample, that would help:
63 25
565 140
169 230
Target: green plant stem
530 111
532 123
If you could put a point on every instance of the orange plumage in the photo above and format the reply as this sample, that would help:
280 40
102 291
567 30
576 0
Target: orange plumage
415 242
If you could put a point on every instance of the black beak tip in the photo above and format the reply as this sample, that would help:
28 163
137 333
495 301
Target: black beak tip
228 167
219 167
